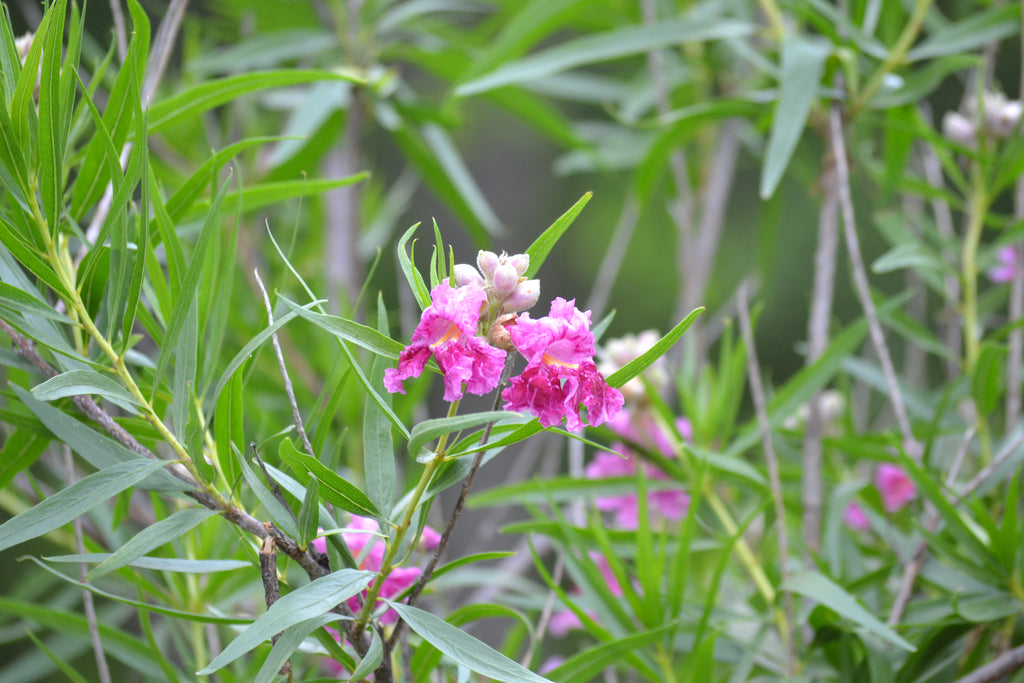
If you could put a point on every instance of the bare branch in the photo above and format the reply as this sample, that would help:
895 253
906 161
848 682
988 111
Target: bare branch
288 390
757 394
1004 664
860 278
817 341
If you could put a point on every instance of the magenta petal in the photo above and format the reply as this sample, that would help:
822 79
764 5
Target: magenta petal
538 392
411 362
601 400
895 486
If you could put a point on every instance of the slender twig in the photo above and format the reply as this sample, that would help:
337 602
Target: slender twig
990 469
272 589
931 523
102 669
460 504
545 615
944 223
1015 358
275 490
613 257
860 278
163 46
772 461
1004 664
288 390
817 341
119 32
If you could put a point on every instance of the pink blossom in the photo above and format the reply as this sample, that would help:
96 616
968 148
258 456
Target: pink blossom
895 486
560 372
1006 264
448 332
855 518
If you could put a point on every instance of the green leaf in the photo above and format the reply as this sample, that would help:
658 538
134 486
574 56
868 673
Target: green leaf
821 589
470 559
979 29
74 501
601 47
210 94
79 382
19 452
21 301
378 444
360 335
372 659
186 295
463 648
586 665
64 667
153 536
51 133
660 348
545 242
290 640
412 276
254 197
803 63
335 489
428 430
989 377
312 600
309 513
98 450
163 564
279 513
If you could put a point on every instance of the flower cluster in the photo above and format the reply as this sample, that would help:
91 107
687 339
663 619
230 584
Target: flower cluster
361 537
469 327
896 490
997 119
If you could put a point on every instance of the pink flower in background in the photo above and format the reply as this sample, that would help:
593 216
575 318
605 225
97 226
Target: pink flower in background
448 332
1006 264
566 620
669 504
361 537
895 486
560 372
855 518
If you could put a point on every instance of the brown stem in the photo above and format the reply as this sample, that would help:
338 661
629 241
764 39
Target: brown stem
272 589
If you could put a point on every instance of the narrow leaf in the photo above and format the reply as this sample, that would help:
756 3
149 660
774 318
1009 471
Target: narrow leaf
803 63
463 648
79 382
660 348
74 501
154 536
335 489
545 242
312 600
427 431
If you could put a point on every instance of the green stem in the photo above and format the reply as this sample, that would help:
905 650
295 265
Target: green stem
895 58
977 208
387 564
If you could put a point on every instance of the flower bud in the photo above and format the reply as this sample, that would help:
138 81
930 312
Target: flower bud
959 129
23 45
487 261
466 274
520 262
523 297
1003 120
504 280
499 335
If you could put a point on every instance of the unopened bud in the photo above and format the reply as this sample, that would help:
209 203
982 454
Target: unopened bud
499 336
23 45
520 262
523 297
466 274
504 280
1003 121
487 261
959 129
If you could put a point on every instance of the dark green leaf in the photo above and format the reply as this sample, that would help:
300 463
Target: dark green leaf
335 489
545 242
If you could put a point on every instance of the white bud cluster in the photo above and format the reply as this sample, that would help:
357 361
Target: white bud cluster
503 278
618 352
999 118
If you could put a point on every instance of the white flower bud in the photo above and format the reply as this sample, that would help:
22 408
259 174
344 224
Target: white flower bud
504 280
487 261
1003 121
520 262
23 45
523 297
466 274
959 129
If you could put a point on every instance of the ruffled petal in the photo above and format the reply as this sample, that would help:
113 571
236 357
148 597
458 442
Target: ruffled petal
411 362
539 392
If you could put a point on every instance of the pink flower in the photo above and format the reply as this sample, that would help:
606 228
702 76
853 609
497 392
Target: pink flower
560 372
855 518
448 332
1006 266
895 486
